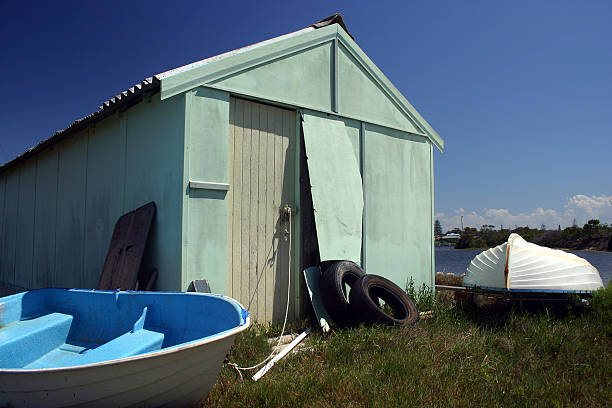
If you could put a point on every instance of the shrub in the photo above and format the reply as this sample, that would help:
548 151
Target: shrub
601 307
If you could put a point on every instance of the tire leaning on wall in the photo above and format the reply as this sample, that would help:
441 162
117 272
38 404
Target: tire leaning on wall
364 302
332 286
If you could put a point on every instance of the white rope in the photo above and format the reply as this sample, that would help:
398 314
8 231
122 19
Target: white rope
286 312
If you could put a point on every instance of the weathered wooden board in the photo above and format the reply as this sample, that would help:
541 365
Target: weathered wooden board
336 187
262 169
126 250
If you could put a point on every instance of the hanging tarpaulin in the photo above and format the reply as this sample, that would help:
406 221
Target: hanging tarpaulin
337 194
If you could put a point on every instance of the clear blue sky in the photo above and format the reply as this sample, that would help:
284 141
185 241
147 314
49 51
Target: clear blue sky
521 92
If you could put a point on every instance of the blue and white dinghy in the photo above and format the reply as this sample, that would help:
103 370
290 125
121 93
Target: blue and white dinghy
73 347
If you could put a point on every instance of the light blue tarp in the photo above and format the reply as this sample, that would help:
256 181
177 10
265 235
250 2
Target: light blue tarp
337 193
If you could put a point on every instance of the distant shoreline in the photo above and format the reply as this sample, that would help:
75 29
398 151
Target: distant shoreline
562 249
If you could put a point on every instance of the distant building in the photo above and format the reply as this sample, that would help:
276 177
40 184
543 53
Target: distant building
451 235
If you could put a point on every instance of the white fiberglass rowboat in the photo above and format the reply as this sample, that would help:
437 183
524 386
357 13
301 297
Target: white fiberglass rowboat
518 265
72 347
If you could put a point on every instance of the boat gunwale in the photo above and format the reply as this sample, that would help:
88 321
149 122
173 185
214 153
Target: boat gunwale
168 350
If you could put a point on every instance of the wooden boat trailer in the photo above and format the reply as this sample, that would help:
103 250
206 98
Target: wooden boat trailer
466 294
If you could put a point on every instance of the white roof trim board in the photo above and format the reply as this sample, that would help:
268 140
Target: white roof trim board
518 264
228 54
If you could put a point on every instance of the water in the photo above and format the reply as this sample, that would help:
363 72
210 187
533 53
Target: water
457 260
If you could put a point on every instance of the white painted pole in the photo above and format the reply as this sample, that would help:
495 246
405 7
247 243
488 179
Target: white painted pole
280 355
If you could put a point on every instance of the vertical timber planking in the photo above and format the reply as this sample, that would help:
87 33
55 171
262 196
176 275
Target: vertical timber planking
7 260
253 206
260 219
236 202
155 132
104 194
258 251
271 216
279 273
25 224
45 213
70 208
289 199
300 289
246 206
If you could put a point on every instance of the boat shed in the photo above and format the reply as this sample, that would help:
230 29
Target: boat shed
261 161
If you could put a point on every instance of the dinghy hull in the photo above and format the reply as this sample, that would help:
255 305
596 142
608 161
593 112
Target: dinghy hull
176 376
518 265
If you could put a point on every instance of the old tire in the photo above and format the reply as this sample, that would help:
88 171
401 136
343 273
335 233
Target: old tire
365 297
336 276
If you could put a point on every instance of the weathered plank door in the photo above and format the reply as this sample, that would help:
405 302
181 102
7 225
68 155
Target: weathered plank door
262 180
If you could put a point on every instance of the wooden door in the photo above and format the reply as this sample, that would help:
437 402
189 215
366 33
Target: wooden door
262 181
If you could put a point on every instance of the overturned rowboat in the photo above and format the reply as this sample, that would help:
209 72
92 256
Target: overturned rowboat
72 347
520 266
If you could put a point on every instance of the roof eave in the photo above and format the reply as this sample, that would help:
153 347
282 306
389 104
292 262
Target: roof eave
119 102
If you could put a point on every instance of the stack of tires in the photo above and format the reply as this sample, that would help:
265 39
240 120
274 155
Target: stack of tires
362 305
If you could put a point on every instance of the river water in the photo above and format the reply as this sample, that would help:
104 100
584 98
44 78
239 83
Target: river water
457 260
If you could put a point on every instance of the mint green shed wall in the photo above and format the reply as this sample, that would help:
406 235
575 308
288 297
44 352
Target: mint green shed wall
59 207
204 245
398 190
324 71
9 225
44 217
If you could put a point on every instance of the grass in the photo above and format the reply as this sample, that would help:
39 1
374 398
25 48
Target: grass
459 358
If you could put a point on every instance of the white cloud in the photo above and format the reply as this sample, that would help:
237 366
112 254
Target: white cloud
593 206
579 207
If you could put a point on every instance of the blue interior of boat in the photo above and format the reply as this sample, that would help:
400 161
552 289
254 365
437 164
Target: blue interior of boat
69 327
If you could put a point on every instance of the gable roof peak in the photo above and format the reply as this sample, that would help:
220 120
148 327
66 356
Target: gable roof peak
335 18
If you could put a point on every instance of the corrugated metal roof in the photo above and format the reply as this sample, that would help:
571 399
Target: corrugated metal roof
151 85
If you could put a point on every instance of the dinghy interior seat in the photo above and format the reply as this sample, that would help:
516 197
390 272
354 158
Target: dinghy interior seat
42 331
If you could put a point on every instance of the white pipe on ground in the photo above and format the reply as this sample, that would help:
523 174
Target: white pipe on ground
280 355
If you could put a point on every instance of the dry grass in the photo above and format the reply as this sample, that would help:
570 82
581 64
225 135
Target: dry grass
449 279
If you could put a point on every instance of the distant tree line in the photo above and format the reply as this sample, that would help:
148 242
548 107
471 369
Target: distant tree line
593 235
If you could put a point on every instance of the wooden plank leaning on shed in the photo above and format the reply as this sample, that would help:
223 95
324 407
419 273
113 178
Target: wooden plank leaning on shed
124 257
